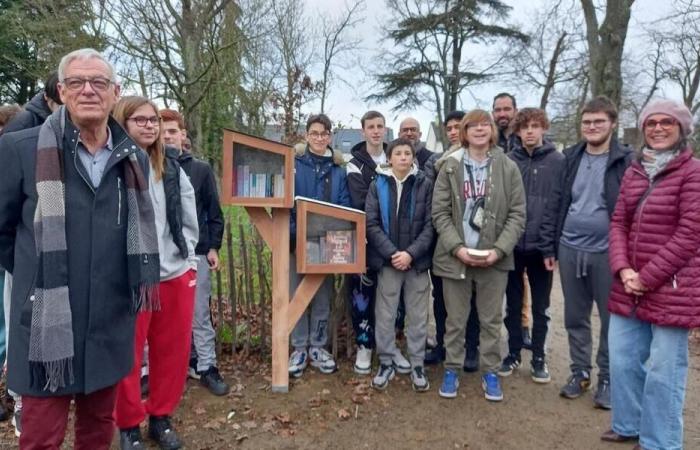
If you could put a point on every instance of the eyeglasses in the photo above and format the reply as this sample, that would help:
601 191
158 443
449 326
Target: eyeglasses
597 123
77 84
409 130
316 135
478 124
666 124
141 120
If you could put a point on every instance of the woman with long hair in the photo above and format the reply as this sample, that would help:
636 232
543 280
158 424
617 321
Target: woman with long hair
166 326
655 257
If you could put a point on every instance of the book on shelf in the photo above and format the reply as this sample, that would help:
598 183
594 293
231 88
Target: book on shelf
259 185
339 247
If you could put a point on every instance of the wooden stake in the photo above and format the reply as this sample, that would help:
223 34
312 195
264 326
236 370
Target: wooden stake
231 284
280 299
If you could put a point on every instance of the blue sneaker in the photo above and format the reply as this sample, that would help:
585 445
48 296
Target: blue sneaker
492 387
450 384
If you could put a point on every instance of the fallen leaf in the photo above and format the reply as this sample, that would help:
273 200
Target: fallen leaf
361 389
212 425
268 426
314 402
241 437
325 392
230 415
236 427
199 411
249 424
284 419
353 381
357 399
343 414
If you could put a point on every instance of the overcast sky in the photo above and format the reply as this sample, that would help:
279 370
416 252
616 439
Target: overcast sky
346 103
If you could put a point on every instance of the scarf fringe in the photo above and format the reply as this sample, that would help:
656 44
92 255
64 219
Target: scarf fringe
146 299
52 375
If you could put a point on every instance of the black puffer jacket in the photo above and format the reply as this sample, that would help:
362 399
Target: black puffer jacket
409 229
361 170
553 222
34 114
540 172
209 214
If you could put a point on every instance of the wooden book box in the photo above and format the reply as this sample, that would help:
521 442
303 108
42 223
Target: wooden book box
330 238
256 172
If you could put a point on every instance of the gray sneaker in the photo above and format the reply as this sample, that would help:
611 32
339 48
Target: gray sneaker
601 399
419 380
385 374
17 421
576 385
538 370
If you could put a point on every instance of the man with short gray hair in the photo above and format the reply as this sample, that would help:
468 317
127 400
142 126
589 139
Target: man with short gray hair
77 232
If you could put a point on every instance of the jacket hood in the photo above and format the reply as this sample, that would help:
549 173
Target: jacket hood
546 148
301 148
618 150
385 170
185 156
360 152
38 106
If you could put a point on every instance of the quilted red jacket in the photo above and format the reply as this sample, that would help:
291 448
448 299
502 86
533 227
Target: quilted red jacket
658 235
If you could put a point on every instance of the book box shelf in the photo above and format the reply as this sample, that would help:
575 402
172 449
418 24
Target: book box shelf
256 172
330 238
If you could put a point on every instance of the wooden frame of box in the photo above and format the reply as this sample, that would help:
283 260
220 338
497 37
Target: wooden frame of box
341 232
256 171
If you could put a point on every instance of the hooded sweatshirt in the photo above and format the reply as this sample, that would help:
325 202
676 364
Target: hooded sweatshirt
34 114
172 264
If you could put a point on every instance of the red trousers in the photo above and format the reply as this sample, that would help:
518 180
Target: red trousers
44 421
169 333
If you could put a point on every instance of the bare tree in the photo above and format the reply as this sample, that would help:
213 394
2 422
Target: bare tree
337 43
606 43
292 39
553 55
180 40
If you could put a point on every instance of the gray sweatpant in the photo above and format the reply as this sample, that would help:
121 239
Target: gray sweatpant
312 327
203 335
490 284
585 279
416 295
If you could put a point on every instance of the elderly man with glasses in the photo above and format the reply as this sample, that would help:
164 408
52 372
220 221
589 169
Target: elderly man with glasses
78 234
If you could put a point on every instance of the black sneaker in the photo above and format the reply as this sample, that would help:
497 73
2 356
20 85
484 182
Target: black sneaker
471 360
538 370
161 431
211 379
527 340
509 364
576 385
435 355
4 414
601 399
130 439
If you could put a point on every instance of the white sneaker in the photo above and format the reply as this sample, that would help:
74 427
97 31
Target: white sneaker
297 363
322 360
17 422
363 360
402 365
383 376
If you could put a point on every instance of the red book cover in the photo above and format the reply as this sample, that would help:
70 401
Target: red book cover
339 247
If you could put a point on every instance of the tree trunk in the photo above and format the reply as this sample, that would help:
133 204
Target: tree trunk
605 46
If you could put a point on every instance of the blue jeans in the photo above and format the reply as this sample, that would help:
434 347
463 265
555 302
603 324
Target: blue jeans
648 372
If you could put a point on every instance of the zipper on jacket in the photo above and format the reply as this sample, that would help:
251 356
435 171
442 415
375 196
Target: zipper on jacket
639 222
119 195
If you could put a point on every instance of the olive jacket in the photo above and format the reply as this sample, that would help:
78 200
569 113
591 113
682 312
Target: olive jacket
504 212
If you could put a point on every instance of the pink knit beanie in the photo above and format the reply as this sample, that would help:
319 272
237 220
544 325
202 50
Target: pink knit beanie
678 111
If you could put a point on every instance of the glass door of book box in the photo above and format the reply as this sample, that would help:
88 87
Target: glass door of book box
257 174
330 241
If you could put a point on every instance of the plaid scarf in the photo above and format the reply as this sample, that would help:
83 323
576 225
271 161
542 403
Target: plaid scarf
51 334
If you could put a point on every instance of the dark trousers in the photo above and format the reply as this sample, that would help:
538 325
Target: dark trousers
44 420
440 313
363 289
540 280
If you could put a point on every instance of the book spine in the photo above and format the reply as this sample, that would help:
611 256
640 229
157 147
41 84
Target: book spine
239 181
246 181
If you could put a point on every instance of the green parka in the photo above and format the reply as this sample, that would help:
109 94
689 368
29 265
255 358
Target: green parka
504 212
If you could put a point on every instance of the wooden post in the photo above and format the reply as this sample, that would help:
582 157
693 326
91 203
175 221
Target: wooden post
280 299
